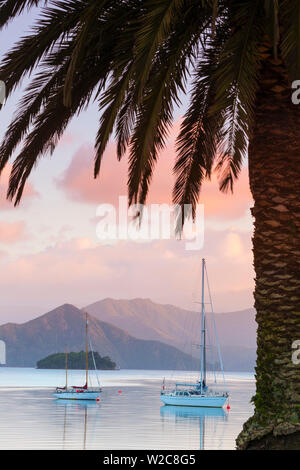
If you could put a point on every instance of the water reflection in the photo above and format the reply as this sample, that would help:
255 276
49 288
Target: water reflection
131 420
72 407
203 415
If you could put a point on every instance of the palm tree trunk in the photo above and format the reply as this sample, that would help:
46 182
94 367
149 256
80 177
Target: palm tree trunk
274 171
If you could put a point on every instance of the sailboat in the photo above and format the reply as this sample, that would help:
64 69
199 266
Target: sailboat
198 393
79 393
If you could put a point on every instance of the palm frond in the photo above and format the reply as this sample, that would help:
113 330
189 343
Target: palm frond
201 131
156 25
115 97
167 80
9 9
35 98
290 23
112 102
88 20
236 79
272 16
52 119
144 50
53 25
125 121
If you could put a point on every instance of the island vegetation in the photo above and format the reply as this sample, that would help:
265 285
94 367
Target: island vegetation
76 360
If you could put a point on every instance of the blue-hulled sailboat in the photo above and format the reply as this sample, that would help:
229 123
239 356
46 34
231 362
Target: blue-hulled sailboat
80 393
197 394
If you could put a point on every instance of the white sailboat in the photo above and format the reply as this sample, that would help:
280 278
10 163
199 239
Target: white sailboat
197 394
80 393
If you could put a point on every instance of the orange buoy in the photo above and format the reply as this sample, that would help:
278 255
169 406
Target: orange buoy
119 392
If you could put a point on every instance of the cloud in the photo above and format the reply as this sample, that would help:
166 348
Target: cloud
81 271
29 190
233 246
12 232
67 139
227 206
78 183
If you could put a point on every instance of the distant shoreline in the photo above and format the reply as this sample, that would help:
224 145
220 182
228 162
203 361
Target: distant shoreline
76 361
132 369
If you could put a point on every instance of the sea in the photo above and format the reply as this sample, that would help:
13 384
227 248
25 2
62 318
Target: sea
129 414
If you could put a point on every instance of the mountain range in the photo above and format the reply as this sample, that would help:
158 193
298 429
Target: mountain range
181 328
28 342
135 333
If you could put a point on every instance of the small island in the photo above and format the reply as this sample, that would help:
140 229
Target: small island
76 360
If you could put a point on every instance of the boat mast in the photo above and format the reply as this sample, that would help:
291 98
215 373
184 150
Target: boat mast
215 327
204 353
86 349
66 359
202 329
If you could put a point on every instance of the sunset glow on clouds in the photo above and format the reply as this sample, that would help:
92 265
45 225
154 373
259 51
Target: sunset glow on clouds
12 232
29 191
78 183
81 271
49 251
50 254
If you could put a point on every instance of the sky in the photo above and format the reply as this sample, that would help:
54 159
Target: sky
49 250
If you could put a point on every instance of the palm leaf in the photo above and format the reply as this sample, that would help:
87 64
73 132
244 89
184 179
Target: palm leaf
54 24
290 22
122 76
88 20
236 79
112 101
52 119
156 25
200 133
36 97
9 9
166 80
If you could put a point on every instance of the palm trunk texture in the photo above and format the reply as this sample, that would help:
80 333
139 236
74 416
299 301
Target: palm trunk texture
274 171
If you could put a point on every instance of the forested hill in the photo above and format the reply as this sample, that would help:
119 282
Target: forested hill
76 360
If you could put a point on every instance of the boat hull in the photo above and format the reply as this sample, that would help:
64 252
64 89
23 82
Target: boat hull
192 411
77 395
202 401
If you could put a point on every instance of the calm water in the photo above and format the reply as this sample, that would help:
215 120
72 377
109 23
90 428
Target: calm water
133 419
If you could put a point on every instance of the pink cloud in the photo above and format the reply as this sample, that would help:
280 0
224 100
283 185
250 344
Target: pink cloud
79 185
78 181
81 271
12 232
227 205
67 139
29 190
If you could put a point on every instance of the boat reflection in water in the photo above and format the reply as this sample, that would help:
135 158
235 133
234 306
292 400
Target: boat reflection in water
78 392
199 394
76 412
204 416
